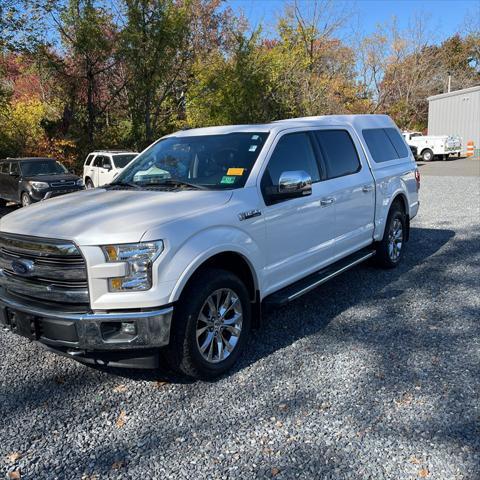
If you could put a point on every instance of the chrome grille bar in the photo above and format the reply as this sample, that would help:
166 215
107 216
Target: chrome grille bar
39 246
59 272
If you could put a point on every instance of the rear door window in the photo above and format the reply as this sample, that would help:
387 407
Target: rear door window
339 152
98 161
384 144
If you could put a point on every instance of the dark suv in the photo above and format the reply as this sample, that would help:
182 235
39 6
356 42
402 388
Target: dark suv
29 180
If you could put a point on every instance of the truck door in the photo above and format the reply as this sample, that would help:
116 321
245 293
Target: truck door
299 231
353 189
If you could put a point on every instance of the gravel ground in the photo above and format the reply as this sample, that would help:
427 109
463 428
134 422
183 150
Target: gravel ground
374 375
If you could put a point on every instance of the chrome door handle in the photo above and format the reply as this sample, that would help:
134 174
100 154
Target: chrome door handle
326 201
367 188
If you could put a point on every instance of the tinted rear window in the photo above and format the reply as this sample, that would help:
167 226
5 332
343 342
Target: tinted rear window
339 152
397 142
385 144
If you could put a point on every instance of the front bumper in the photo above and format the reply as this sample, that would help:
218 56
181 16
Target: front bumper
83 333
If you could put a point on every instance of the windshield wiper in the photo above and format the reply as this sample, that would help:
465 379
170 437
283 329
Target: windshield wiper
175 183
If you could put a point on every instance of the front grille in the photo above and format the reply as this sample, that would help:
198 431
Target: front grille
56 269
57 193
69 183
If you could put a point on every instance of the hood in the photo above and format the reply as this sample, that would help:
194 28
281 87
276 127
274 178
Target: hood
52 178
99 216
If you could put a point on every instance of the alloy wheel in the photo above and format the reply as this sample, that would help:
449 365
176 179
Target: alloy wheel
26 200
395 240
219 325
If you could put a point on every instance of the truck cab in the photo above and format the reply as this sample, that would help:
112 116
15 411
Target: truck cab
176 258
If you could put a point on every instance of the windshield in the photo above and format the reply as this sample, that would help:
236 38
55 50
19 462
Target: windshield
211 161
33 168
121 161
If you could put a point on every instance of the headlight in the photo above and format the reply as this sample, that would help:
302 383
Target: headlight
139 258
80 183
39 185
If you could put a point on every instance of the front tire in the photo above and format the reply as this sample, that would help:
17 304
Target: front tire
210 326
427 155
26 199
89 184
389 251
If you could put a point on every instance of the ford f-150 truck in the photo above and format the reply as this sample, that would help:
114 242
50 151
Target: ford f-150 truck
174 261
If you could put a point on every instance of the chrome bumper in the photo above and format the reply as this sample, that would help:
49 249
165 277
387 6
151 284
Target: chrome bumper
86 331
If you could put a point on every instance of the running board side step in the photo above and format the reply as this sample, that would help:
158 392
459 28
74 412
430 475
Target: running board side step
305 285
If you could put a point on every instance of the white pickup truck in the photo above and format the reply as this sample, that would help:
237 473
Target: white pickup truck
431 146
176 258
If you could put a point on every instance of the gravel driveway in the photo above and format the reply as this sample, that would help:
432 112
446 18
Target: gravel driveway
374 375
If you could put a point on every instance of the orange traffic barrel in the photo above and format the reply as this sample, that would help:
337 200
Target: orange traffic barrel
470 148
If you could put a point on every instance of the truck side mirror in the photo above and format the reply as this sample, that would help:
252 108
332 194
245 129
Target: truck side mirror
292 184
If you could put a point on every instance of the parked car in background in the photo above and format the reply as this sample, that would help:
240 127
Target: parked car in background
176 258
430 146
29 180
102 167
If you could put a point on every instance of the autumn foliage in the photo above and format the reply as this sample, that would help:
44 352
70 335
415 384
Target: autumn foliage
82 74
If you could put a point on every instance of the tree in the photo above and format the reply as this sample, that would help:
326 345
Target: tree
153 43
232 88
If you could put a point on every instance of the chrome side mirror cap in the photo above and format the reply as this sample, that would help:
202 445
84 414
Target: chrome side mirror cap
296 183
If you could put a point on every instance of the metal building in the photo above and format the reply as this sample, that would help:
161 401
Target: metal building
456 113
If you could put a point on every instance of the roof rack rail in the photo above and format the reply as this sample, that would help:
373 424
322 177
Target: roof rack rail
114 151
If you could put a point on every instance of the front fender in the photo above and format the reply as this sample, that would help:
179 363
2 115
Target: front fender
204 245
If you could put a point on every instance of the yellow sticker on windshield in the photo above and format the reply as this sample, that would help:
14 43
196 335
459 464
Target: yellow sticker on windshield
235 171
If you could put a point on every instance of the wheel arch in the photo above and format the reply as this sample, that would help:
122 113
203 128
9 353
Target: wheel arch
230 261
401 199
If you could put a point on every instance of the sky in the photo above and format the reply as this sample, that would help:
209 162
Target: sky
445 17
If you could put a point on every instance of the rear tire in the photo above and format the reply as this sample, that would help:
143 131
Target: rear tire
427 155
389 251
202 344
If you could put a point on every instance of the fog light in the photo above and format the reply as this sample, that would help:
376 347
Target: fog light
129 328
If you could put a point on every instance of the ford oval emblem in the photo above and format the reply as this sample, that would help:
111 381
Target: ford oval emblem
23 267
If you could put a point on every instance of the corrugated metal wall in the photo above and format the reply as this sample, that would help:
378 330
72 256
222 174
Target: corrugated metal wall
457 113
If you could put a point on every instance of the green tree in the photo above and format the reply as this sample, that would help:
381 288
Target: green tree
153 47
